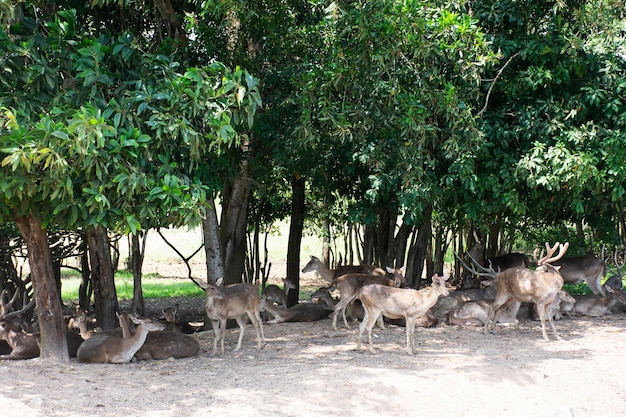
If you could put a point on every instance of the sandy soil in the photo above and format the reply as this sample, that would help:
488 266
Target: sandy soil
308 369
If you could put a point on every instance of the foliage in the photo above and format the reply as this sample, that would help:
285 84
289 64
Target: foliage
554 124
388 107
106 134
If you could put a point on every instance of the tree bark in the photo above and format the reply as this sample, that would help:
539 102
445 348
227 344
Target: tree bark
233 226
137 250
212 246
53 345
103 280
85 288
419 250
296 227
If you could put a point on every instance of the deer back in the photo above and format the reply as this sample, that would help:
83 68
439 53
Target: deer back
526 285
231 301
167 344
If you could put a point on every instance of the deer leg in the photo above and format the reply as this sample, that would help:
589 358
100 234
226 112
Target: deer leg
551 323
371 321
242 328
216 334
361 330
340 307
410 341
381 322
497 305
255 318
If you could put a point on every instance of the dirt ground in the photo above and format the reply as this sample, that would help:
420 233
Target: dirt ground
308 369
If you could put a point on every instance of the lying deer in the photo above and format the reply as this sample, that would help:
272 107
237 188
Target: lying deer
173 324
114 349
397 303
277 295
476 313
595 305
540 287
329 275
302 312
349 284
23 344
161 345
232 302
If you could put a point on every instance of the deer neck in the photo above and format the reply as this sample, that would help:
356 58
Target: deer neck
273 310
138 339
431 295
82 328
325 272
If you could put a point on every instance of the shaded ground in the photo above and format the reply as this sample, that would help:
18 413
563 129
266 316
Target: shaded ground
308 369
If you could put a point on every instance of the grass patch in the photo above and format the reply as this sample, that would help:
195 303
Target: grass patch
153 287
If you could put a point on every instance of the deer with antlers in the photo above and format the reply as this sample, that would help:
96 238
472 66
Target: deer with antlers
540 287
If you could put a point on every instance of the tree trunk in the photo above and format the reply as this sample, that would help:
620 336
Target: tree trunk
137 250
296 226
85 288
53 345
103 279
419 250
212 246
233 226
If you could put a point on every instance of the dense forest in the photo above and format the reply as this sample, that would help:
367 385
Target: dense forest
402 129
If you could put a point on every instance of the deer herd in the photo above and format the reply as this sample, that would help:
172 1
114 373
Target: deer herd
366 293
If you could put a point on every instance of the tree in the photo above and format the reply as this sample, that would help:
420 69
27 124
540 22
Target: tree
94 136
390 102
553 117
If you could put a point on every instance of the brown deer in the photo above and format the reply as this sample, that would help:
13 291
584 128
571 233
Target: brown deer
80 322
540 287
114 349
161 345
595 305
23 344
501 262
588 268
615 280
172 323
329 275
475 312
348 285
394 303
563 304
302 312
232 302
277 295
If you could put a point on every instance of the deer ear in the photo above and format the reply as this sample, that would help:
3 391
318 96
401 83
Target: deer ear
219 281
389 269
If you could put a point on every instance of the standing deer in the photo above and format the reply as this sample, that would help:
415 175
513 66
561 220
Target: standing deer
232 302
329 275
587 268
540 287
563 303
114 349
348 284
394 303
